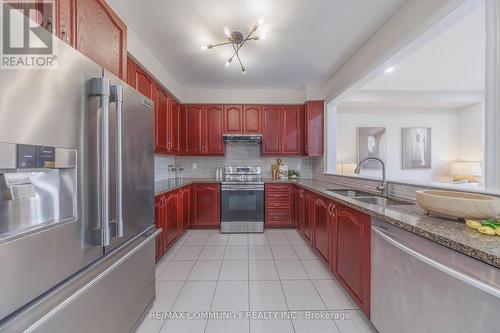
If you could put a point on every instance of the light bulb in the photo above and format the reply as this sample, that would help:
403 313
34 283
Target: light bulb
244 70
204 47
262 35
389 69
227 32
260 22
228 62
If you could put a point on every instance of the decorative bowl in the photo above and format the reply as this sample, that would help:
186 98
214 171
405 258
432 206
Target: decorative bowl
459 204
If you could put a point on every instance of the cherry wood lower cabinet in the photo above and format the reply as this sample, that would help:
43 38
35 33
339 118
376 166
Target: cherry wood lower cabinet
184 208
321 216
172 212
352 254
279 205
171 216
205 208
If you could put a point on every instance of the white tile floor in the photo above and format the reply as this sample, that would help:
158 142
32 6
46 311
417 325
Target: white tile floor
226 274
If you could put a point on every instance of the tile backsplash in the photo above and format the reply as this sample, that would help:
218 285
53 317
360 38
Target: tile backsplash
236 154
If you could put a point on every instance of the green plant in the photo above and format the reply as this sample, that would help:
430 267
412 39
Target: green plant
293 173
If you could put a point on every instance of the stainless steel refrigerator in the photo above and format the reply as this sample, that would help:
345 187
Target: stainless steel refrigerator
76 199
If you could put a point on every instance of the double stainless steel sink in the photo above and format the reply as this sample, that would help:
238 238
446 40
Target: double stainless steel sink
369 198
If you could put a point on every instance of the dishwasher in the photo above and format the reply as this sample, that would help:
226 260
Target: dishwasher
420 286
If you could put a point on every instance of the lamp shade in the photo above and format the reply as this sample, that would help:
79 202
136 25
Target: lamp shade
466 169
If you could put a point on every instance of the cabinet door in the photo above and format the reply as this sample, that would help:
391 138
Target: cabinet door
205 210
314 127
292 133
171 204
66 16
233 119
172 126
214 143
271 130
353 254
145 84
321 226
185 206
158 223
332 221
131 72
252 119
101 35
194 129
161 118
308 216
301 205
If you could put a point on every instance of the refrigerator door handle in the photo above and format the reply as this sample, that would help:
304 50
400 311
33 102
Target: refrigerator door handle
117 97
101 87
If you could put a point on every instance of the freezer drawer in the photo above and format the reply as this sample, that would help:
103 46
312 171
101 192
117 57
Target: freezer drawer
420 286
110 296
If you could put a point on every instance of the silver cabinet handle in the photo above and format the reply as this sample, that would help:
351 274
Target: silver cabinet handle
101 87
445 269
117 97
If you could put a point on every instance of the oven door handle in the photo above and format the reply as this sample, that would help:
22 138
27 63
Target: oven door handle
242 188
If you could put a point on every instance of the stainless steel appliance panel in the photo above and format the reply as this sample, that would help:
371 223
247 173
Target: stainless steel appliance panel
242 208
110 295
137 163
420 286
47 107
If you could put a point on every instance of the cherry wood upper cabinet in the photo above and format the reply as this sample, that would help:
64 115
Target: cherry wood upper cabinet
252 119
233 119
194 136
144 83
314 127
353 254
65 10
173 126
321 226
204 129
213 128
242 119
292 133
101 35
161 118
131 72
139 79
271 129
282 130
205 208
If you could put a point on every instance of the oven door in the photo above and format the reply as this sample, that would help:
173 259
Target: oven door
242 208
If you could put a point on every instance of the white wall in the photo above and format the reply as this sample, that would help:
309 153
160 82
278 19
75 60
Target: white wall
445 142
411 20
471 129
244 96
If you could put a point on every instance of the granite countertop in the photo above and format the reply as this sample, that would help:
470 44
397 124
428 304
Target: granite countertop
450 233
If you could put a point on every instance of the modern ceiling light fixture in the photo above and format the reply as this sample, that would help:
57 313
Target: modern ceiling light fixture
237 40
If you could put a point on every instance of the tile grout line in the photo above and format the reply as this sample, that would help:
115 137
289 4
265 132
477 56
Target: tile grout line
314 286
279 279
216 283
182 287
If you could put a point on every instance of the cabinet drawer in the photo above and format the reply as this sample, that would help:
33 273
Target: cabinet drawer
279 204
280 216
278 196
278 188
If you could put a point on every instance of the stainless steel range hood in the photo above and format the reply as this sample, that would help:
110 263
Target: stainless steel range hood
243 138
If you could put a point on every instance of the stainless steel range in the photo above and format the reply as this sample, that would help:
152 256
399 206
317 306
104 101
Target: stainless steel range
242 200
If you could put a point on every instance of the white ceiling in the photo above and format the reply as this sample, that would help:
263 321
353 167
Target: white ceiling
307 41
453 61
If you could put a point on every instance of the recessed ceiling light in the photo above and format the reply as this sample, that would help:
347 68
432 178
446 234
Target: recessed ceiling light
389 69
